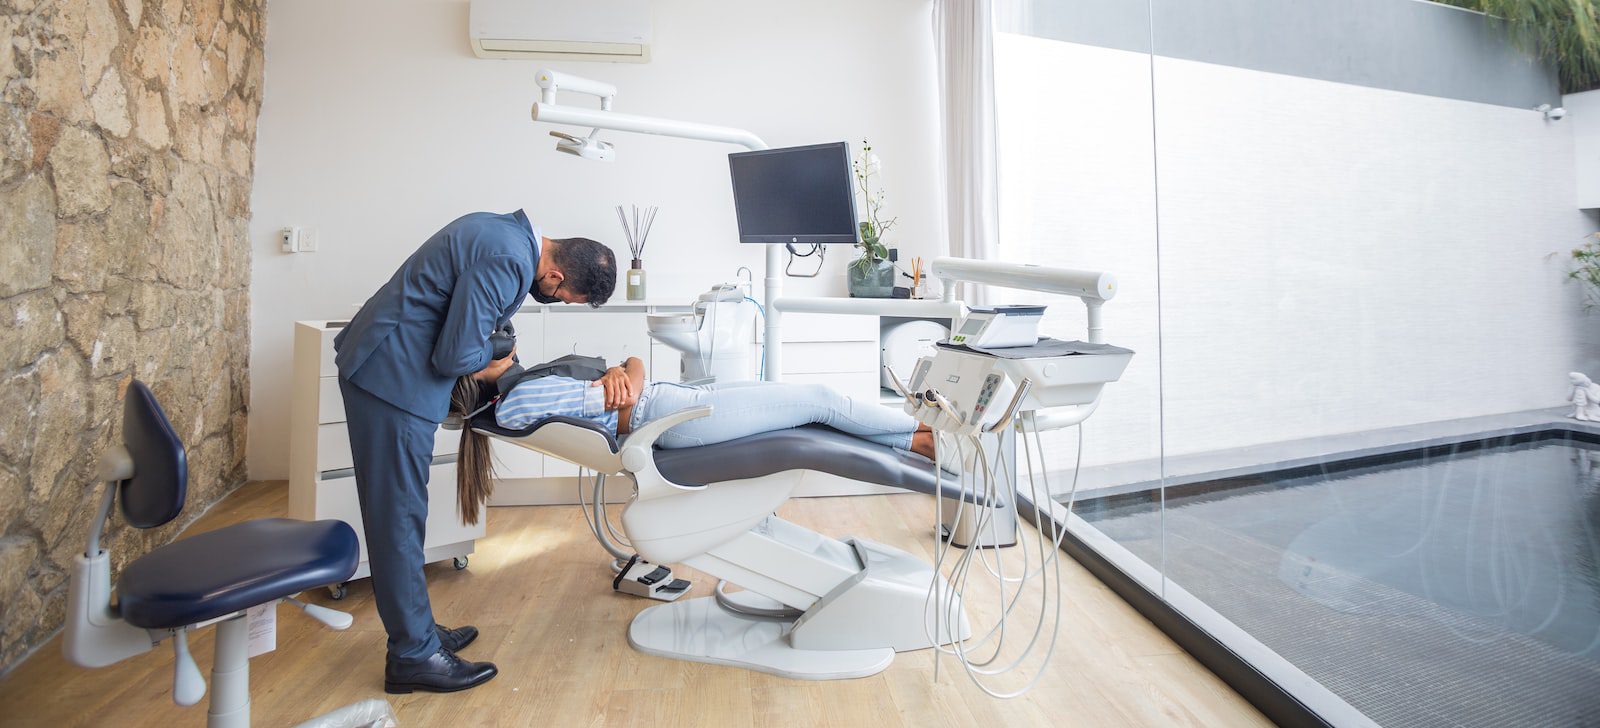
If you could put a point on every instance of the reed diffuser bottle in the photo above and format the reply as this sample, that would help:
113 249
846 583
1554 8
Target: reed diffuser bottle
637 229
636 281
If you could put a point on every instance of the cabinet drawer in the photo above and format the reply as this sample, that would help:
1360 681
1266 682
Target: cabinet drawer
511 461
333 446
796 327
328 367
337 499
830 357
330 402
444 511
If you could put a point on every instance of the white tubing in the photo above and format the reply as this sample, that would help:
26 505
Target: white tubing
947 602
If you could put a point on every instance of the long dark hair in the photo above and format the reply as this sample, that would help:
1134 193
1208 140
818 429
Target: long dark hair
474 466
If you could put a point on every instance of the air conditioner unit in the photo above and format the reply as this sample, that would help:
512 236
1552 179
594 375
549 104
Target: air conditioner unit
575 30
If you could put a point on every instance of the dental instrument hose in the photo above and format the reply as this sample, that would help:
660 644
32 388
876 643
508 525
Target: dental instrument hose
945 596
594 515
761 369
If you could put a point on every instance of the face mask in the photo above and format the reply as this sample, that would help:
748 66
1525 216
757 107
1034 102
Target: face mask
540 296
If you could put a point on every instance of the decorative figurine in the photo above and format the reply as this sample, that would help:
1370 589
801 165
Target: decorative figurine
1585 398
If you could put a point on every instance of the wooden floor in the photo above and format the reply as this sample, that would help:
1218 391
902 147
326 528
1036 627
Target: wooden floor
539 590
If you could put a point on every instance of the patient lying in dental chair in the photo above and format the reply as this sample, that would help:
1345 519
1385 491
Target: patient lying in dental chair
622 400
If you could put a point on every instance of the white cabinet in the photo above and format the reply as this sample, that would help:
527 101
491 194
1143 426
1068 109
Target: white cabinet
321 482
839 350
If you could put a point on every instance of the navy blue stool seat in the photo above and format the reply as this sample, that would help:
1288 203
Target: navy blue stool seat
224 571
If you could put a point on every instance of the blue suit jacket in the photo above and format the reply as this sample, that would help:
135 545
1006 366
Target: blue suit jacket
431 322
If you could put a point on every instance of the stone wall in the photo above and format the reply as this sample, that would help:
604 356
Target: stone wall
128 134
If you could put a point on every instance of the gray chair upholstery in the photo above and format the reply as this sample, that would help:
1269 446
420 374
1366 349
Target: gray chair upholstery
812 447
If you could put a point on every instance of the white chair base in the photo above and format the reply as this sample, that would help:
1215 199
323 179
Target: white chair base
700 630
879 607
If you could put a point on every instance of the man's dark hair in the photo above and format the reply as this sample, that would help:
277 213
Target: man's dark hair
588 267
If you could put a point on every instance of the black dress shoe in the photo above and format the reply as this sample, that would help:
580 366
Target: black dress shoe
455 639
441 672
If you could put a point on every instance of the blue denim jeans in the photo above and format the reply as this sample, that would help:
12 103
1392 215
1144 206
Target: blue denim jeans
741 409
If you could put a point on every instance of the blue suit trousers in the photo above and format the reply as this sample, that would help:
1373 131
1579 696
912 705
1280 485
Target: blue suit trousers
392 450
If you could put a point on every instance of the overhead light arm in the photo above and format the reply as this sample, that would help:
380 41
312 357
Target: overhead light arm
548 111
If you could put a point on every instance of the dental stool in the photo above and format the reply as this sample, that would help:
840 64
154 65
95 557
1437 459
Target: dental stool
211 578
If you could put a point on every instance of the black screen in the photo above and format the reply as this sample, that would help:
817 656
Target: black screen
794 195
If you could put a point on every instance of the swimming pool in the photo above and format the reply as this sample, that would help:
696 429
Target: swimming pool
1450 585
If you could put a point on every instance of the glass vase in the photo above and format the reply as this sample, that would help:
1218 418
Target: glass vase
871 280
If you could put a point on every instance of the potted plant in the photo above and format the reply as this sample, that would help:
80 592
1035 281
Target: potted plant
1566 32
1586 270
871 275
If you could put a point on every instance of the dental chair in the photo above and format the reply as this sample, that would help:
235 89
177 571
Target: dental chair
813 607
212 578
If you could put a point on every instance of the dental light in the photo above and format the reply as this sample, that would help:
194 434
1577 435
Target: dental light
584 147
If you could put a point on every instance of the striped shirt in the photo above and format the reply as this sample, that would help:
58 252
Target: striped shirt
535 399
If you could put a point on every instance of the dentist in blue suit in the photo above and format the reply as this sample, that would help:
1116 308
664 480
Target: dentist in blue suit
398 359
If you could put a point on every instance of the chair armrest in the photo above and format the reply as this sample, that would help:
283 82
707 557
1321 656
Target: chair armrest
646 436
638 456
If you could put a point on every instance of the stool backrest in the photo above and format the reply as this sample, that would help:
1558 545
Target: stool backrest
160 482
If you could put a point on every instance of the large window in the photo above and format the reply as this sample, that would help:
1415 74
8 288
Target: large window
1337 450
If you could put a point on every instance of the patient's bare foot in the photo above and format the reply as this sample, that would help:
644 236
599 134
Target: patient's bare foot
922 443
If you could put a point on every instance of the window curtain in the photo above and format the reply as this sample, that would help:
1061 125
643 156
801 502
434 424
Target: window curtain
964 43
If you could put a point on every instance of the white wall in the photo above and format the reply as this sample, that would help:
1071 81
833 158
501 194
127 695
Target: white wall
1338 258
378 126
1583 113
1333 258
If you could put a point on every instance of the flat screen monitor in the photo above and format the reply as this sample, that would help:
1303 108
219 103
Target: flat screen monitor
794 195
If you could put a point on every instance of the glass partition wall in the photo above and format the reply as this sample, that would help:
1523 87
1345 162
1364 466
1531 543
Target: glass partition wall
1339 464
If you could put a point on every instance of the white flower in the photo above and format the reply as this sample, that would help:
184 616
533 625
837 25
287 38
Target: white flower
872 165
